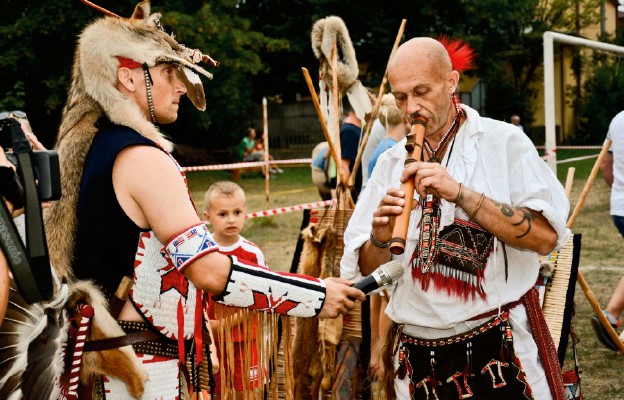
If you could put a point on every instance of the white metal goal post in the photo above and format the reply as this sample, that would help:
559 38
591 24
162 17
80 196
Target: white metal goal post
549 83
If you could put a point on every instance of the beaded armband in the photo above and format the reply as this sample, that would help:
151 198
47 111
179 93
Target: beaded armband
281 293
189 245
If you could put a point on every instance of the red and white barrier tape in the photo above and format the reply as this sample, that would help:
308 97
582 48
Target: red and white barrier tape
573 147
283 210
549 154
293 161
219 167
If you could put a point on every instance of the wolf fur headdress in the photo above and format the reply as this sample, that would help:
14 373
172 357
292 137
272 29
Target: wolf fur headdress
102 47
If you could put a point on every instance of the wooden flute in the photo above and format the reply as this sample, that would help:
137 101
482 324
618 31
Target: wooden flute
414 147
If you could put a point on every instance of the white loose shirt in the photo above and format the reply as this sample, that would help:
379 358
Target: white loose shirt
499 160
616 134
489 156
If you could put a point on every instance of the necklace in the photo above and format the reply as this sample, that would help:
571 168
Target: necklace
450 134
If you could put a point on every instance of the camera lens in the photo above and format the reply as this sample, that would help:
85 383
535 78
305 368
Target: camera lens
18 114
14 114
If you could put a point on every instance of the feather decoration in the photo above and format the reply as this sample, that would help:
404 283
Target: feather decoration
462 54
32 342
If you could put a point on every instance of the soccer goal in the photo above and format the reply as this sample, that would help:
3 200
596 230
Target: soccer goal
549 83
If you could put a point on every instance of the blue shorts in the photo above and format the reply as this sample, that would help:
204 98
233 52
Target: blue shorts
618 221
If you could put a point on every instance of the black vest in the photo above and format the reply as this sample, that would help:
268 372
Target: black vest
106 240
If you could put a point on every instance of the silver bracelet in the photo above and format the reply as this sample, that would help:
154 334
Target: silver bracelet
377 243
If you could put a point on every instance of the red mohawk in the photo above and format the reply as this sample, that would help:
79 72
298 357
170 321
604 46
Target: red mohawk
461 53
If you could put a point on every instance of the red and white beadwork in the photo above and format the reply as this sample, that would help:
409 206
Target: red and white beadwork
277 292
189 245
159 286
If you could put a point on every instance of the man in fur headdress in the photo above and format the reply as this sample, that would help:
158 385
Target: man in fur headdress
467 320
126 211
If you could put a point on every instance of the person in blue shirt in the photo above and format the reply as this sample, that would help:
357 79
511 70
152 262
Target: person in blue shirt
396 127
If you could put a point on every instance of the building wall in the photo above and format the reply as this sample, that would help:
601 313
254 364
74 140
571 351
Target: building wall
565 79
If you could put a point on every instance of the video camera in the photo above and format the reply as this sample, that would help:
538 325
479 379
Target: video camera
45 163
39 180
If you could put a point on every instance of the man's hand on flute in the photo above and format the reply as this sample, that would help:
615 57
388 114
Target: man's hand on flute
431 178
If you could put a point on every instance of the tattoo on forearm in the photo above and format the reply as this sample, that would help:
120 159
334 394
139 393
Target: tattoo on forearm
506 209
528 215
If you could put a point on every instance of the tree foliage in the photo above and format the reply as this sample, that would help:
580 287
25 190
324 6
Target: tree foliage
262 45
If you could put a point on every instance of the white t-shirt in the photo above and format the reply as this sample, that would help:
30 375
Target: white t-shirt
616 134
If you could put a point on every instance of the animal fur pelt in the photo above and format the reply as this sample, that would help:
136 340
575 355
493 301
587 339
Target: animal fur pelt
34 338
324 32
121 363
315 342
32 341
93 94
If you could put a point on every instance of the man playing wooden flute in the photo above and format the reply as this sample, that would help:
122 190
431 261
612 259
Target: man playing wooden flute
467 322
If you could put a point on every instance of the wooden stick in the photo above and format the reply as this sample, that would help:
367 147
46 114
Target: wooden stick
589 294
100 9
414 148
373 116
334 67
598 311
267 168
569 181
589 183
332 147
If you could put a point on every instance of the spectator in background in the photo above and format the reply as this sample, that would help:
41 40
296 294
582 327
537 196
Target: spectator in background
515 120
350 136
395 125
225 208
321 170
377 133
259 148
246 146
612 169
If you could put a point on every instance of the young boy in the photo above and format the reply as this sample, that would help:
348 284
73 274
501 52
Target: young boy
225 209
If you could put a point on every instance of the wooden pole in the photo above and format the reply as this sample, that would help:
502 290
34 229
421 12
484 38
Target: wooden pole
373 116
330 141
267 169
342 182
569 181
589 294
589 183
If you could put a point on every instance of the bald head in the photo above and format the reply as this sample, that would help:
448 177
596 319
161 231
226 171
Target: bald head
423 83
423 52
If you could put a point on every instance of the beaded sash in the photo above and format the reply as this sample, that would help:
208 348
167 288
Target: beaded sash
455 259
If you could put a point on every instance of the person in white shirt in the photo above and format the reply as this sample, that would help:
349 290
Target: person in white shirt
461 311
612 169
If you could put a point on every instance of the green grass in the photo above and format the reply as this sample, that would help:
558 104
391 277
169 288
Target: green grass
602 260
276 235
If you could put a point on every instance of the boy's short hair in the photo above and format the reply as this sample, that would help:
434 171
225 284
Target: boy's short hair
222 188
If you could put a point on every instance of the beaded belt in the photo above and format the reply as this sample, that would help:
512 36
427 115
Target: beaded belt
143 339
